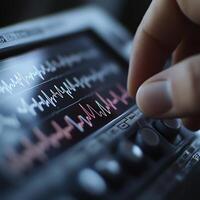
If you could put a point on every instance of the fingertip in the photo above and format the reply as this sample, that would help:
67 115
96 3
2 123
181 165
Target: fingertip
142 102
154 99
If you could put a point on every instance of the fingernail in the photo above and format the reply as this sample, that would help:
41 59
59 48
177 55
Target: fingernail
154 98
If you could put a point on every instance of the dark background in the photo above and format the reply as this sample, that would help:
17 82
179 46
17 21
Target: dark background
129 12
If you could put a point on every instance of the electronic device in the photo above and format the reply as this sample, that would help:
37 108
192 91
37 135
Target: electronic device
69 129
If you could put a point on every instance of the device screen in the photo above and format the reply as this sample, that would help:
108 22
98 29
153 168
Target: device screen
54 96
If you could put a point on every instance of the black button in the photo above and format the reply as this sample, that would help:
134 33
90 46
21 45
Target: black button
111 170
90 184
149 141
169 128
131 156
174 124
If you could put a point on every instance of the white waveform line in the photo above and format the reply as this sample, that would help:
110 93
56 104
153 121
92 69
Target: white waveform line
67 88
63 61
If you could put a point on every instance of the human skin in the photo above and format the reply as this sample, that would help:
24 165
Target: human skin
169 27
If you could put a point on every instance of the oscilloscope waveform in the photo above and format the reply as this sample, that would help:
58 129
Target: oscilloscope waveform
102 108
67 88
62 61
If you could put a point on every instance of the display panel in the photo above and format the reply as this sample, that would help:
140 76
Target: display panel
54 96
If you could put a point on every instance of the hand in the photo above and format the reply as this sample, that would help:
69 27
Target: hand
169 26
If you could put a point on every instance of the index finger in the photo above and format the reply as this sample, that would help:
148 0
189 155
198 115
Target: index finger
160 31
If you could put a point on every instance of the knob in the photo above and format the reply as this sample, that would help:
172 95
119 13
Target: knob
131 155
149 141
169 128
90 184
111 170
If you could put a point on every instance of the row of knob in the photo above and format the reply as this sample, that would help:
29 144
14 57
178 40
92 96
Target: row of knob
94 182
108 172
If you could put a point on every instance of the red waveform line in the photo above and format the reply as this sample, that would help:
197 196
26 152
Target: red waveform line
63 61
92 113
37 151
105 106
66 88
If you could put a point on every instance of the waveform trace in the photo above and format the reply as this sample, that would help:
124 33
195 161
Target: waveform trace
67 88
102 107
23 80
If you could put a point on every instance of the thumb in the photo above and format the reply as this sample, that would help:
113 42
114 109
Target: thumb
174 92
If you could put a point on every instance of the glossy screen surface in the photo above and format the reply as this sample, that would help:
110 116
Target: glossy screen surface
53 97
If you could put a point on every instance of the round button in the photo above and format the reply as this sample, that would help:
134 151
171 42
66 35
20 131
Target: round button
149 141
169 128
131 155
174 124
110 169
149 138
91 184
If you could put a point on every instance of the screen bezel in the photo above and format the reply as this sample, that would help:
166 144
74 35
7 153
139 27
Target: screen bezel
31 33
